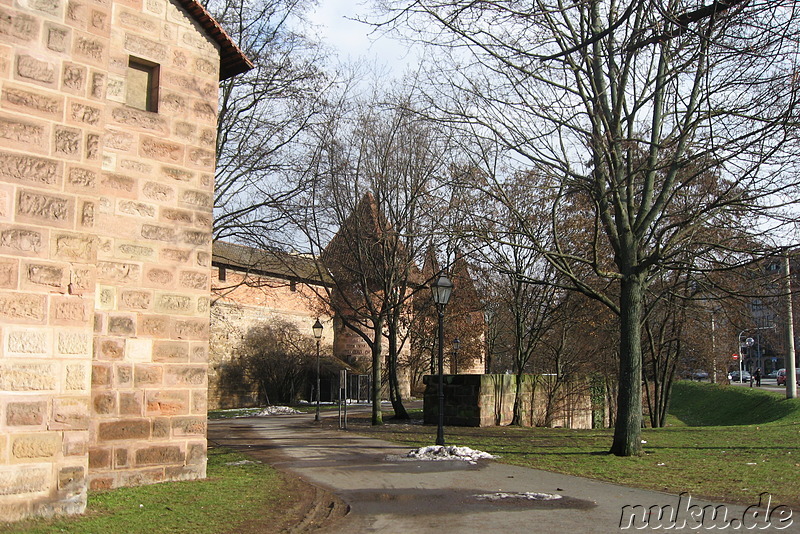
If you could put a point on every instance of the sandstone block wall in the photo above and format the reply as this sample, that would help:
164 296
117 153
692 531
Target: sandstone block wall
488 400
105 218
241 302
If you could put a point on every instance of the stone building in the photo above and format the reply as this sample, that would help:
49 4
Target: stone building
251 287
107 138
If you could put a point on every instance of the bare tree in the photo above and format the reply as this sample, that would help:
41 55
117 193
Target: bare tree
579 91
265 116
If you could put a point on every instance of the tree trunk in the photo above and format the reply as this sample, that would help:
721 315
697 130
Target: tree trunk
394 382
628 427
377 416
517 419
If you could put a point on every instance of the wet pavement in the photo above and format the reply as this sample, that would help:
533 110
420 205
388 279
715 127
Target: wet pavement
389 493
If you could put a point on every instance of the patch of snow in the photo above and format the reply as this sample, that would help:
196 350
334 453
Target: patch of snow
448 452
275 410
242 462
527 496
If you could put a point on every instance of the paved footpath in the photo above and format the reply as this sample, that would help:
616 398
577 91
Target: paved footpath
390 494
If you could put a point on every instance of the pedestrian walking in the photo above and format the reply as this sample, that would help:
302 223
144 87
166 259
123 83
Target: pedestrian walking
757 376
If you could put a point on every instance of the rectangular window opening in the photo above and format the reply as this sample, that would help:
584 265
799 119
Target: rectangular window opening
141 90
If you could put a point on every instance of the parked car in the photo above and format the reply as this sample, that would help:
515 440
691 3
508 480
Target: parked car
699 374
781 378
772 374
734 376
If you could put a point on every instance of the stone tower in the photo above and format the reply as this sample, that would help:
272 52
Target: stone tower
107 139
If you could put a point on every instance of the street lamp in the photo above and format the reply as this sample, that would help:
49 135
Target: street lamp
441 290
747 343
317 329
456 346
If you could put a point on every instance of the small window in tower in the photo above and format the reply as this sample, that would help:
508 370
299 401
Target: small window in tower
223 274
141 90
292 285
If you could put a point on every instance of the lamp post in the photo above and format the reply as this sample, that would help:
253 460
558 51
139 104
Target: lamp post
441 290
456 346
747 343
317 329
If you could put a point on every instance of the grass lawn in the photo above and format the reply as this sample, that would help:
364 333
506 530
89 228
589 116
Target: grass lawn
741 442
208 506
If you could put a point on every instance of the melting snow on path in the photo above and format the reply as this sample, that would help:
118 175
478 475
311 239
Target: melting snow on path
448 452
276 410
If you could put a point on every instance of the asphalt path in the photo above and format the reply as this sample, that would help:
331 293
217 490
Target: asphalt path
389 493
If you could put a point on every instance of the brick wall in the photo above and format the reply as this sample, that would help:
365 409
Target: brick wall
105 215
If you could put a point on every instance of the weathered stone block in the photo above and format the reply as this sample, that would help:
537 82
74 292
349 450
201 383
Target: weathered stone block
136 209
161 150
177 216
99 458
73 343
38 208
74 247
23 134
70 310
191 329
85 114
140 477
20 168
14 481
126 429
136 118
90 49
76 377
101 375
167 402
9 273
135 251
36 71
104 402
135 300
171 352
121 457
193 237
159 277
130 403
175 255
188 426
124 375
32 102
73 78
71 478
35 447
46 276
123 273
201 158
158 192
17 27
160 455
22 308
139 350
185 375
70 414
160 427
76 443
123 325
28 342
25 413
67 142
154 325
178 304
147 375
194 280
200 401
81 179
58 37
196 453
27 377
118 185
